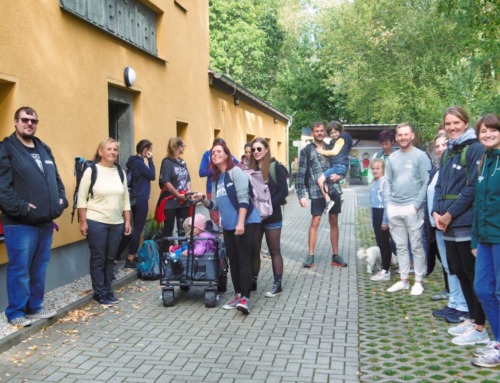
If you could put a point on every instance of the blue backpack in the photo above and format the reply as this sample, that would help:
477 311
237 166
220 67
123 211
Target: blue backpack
149 261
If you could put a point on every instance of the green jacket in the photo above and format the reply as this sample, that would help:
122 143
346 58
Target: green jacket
486 223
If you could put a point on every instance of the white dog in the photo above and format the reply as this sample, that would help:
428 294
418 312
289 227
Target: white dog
374 259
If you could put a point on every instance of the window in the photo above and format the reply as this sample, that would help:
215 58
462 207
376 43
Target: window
250 137
7 107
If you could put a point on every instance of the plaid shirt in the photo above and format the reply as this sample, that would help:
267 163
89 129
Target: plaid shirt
317 167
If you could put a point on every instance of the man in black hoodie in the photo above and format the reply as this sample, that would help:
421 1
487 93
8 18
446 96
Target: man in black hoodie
31 197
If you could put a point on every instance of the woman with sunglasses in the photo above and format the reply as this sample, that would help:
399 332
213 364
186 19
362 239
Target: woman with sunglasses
175 182
239 220
275 177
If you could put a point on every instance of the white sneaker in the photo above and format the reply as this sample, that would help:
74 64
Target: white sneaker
398 286
328 206
382 275
472 336
417 289
461 328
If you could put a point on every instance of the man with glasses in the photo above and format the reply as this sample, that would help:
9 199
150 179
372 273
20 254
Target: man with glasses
311 167
31 196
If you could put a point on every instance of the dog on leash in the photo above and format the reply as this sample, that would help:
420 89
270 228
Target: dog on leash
374 259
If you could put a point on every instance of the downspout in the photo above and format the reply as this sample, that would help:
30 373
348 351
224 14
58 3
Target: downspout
290 121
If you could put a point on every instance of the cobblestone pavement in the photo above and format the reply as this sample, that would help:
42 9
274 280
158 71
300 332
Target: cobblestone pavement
400 340
308 334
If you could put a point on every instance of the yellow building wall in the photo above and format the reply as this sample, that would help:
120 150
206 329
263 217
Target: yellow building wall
62 66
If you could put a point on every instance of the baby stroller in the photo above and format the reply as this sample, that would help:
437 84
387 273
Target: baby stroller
209 270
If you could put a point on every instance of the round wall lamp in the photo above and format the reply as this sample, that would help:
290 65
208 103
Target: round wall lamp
236 101
275 120
130 76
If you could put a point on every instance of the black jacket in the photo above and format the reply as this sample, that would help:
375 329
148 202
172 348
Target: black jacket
22 182
142 175
278 193
430 232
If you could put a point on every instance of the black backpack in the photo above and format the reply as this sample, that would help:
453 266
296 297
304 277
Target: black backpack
80 166
272 174
309 148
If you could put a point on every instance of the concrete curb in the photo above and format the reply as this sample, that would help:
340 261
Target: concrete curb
17 337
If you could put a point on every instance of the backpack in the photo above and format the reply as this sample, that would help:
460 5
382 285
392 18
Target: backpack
80 167
463 161
149 261
272 174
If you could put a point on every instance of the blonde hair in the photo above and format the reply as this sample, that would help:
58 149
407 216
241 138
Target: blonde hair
173 145
378 161
102 145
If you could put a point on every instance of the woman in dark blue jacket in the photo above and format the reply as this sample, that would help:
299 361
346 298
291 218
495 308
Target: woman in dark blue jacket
275 177
453 213
140 188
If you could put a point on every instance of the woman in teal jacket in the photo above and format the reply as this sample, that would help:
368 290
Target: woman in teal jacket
486 236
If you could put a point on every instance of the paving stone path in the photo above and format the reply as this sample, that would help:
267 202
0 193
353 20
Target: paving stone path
309 334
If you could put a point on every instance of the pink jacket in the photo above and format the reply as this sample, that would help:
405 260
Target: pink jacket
202 247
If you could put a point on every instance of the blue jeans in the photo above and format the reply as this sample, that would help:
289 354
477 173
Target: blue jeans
487 283
338 169
457 299
28 248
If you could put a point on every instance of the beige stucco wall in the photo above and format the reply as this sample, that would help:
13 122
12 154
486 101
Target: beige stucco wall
62 66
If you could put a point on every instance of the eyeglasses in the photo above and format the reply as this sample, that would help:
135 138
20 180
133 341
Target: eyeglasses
258 148
183 145
34 121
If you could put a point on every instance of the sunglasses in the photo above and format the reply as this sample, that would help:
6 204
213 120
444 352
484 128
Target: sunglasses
27 120
259 149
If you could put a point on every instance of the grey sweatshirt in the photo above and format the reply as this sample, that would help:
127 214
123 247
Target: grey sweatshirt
407 176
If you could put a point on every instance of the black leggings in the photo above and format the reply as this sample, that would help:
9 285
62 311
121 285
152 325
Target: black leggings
239 250
383 237
462 263
170 217
273 237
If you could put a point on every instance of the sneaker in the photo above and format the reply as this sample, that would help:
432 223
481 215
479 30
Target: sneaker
472 336
243 305
382 275
232 305
458 317
114 300
417 289
489 360
328 206
338 261
265 254
275 291
443 312
398 286
20 321
481 351
443 295
130 264
102 300
42 314
309 261
461 328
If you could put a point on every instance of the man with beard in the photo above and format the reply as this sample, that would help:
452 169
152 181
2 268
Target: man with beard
407 176
31 197
311 167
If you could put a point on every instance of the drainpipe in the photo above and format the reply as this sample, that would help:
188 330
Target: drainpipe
288 141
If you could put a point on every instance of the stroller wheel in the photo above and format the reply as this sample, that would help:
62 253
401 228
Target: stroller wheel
209 298
168 297
184 288
222 284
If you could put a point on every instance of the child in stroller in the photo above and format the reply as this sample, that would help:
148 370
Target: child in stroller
200 247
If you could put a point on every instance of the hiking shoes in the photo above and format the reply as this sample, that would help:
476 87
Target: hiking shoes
20 321
481 351
443 295
102 300
457 317
114 300
338 261
398 286
232 305
461 328
382 275
275 291
244 305
42 314
472 336
309 261
443 312
489 360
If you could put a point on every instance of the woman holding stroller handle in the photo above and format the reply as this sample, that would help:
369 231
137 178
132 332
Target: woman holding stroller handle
102 210
239 220
275 177
140 189
175 182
